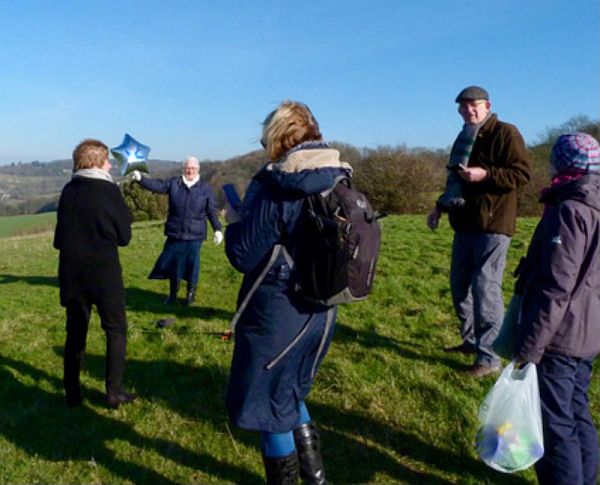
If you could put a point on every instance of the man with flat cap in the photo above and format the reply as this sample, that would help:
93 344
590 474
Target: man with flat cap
488 163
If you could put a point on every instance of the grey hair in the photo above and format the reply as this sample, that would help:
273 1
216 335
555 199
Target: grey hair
190 160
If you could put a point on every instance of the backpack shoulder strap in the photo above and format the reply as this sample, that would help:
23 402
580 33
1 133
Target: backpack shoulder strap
277 249
345 179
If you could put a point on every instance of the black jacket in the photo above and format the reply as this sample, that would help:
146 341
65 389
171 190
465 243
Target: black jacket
92 221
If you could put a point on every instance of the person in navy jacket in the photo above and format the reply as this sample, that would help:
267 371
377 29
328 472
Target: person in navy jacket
280 338
191 202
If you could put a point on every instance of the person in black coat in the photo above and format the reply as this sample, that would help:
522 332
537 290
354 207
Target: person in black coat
92 221
191 202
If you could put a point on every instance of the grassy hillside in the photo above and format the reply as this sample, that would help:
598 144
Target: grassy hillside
29 188
392 407
11 226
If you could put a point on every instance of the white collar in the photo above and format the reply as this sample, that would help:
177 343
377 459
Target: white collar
189 183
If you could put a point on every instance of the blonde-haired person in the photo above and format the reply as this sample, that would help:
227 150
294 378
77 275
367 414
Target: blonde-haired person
288 126
92 220
280 338
191 202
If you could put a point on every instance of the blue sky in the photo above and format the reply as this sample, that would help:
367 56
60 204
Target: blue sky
197 77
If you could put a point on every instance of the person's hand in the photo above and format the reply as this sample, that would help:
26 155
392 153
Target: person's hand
519 362
433 219
136 176
473 174
218 238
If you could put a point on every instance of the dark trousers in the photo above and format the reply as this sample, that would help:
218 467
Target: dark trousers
570 439
114 324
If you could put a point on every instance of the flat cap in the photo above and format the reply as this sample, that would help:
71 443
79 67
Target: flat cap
472 93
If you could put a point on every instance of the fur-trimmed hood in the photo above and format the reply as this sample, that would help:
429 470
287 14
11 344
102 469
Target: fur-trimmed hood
307 169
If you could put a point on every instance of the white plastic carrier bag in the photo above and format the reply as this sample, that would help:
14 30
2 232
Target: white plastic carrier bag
510 436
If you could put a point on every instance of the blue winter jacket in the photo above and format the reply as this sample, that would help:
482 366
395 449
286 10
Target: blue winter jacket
280 339
188 207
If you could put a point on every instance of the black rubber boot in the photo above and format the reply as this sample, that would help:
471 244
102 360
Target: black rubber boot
191 295
173 289
308 445
282 471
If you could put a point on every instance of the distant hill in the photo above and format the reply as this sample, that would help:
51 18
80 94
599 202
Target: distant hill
382 173
34 187
58 168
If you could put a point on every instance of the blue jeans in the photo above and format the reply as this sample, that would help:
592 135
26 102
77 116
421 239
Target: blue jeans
570 438
478 261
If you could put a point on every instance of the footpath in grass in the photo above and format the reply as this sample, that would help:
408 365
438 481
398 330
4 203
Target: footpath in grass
391 406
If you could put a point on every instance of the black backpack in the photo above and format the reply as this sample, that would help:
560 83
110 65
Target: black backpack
336 261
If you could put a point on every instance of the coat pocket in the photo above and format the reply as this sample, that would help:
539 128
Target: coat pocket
486 210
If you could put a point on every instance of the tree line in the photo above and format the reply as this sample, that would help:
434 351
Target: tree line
397 180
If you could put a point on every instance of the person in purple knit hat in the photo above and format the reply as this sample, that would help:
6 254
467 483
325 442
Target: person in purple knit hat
559 329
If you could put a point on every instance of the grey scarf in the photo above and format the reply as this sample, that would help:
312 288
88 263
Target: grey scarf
460 154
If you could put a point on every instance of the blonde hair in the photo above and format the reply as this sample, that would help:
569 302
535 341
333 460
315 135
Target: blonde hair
289 125
89 153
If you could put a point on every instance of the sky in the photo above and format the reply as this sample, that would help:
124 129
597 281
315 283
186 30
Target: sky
198 77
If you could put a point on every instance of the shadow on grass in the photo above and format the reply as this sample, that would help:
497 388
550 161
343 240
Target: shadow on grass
356 447
411 350
30 280
366 443
199 394
188 390
138 299
141 300
38 422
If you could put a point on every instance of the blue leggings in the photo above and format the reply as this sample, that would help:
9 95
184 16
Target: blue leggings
276 445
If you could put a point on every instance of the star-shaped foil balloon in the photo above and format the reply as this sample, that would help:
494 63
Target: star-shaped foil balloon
131 155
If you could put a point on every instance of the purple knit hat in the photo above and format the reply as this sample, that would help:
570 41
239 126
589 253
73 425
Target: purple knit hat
576 152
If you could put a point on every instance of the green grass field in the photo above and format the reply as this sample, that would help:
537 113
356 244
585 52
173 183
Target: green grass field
12 226
391 406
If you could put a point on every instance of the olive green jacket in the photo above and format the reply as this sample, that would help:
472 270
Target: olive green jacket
491 205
